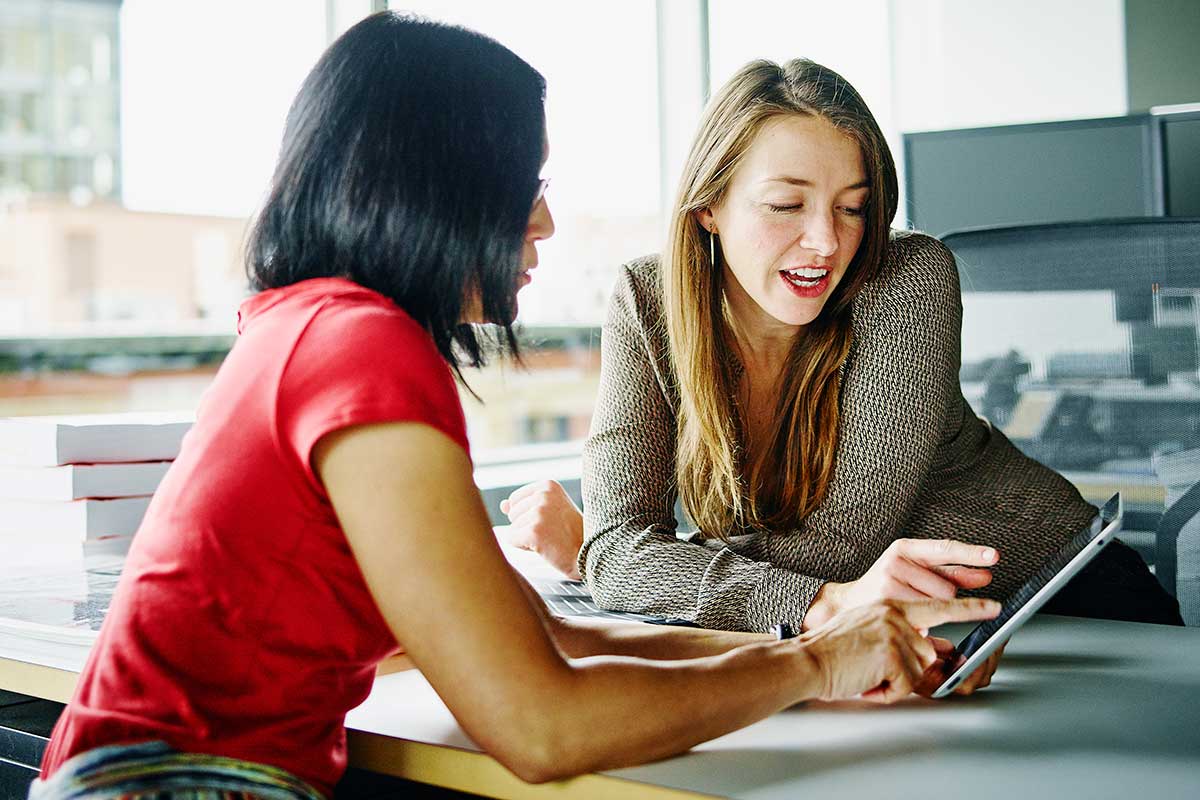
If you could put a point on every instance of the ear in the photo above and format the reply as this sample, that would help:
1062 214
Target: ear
705 217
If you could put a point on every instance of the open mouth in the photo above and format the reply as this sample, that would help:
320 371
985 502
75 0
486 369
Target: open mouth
806 282
805 277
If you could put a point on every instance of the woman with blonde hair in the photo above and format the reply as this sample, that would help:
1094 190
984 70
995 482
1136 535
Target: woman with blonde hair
789 370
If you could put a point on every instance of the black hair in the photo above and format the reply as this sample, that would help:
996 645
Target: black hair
409 165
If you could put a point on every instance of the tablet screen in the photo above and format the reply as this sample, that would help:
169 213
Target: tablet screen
1054 565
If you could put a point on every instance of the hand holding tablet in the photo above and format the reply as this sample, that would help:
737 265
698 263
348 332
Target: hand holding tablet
989 636
910 570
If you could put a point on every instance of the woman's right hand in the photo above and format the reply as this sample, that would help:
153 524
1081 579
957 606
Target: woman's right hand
544 519
878 650
910 569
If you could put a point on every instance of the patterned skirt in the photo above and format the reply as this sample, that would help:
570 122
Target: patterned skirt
153 771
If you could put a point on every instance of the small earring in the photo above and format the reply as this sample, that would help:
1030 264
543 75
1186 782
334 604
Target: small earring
712 246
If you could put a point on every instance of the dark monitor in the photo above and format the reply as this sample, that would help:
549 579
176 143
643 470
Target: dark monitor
1023 174
1181 141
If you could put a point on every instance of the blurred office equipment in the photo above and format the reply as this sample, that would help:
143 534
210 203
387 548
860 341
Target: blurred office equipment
1080 342
1143 165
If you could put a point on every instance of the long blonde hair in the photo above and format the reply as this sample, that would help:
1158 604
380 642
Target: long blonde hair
787 479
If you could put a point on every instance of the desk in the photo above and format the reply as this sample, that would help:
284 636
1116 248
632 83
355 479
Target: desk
1079 708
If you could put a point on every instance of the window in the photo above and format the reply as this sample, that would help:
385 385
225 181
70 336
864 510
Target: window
119 128
602 121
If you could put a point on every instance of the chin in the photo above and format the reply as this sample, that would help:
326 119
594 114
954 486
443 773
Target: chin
789 314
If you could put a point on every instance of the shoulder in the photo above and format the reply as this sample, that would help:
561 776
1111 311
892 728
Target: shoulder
641 279
637 296
918 263
918 274
362 359
366 326
359 348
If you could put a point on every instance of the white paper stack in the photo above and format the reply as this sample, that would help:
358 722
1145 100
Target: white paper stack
91 439
79 481
90 518
67 481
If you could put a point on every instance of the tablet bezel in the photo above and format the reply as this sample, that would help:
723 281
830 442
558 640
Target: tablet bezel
1110 518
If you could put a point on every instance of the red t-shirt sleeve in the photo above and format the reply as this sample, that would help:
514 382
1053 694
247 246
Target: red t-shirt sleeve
357 362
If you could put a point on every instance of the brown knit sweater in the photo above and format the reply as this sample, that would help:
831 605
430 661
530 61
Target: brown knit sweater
913 461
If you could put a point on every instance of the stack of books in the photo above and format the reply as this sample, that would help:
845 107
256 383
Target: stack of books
72 483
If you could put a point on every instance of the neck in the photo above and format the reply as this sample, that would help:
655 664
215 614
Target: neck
763 342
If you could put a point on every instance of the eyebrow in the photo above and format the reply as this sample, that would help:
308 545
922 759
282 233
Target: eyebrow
863 184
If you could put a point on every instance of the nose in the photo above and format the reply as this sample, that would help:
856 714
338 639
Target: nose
541 222
820 234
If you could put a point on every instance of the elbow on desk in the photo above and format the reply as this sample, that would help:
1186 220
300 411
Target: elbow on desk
537 758
535 737
549 739
605 572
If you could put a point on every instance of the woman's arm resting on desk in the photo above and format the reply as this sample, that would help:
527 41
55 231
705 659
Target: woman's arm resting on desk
580 637
422 539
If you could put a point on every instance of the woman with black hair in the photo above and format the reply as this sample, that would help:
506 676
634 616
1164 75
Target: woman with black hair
322 510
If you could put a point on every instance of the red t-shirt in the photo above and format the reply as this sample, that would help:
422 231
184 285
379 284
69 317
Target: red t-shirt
242 625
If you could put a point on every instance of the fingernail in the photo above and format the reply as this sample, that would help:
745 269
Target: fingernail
988 554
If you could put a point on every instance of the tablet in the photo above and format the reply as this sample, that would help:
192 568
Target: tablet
1021 605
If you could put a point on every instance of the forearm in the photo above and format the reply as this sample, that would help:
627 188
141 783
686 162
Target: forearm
648 572
578 638
582 637
692 702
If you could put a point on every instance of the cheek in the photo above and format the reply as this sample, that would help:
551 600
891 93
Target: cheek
853 238
769 240
848 243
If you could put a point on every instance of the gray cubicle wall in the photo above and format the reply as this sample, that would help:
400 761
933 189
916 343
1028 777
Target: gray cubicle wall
1045 172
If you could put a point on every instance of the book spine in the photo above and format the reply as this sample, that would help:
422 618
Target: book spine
27 521
112 444
120 517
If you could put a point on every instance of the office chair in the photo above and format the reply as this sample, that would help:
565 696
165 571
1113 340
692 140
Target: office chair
1124 408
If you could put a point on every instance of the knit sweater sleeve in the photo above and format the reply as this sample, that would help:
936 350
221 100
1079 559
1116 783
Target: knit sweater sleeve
631 557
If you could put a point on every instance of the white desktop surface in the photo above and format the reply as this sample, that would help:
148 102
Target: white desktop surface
1078 708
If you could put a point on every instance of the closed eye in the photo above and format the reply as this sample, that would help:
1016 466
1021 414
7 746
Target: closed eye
784 209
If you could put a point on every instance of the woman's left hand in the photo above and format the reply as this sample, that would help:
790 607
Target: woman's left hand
937 672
